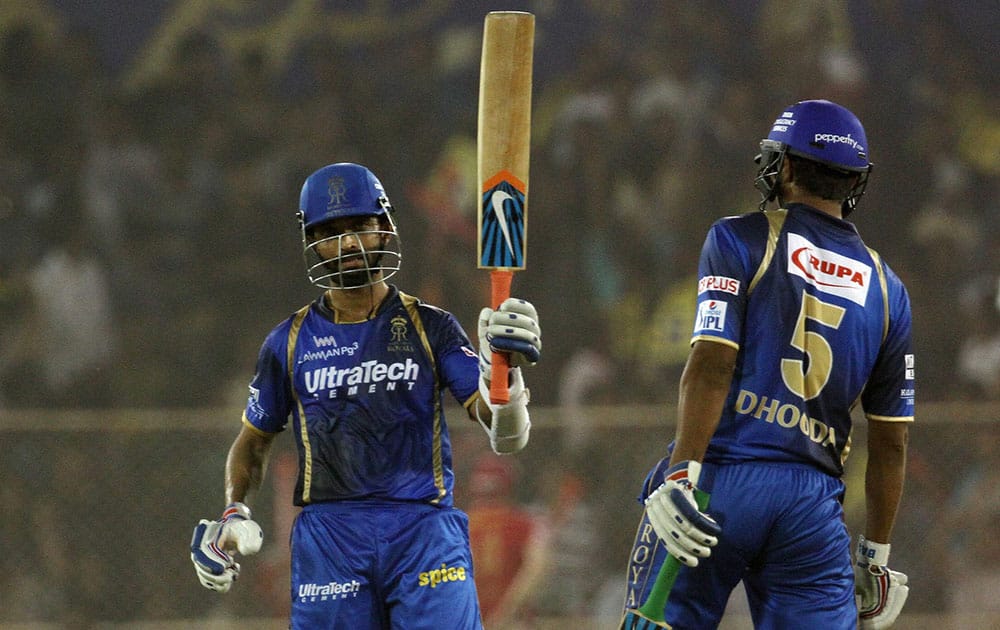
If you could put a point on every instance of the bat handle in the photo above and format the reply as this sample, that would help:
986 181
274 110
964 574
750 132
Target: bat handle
500 280
657 600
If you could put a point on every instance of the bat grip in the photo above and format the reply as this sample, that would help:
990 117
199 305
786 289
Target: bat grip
657 600
500 280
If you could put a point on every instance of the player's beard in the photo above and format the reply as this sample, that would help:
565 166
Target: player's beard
363 275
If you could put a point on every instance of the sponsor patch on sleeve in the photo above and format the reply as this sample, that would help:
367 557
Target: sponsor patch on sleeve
711 316
719 283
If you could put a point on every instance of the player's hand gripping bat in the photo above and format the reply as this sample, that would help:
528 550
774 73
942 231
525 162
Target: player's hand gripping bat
649 616
504 142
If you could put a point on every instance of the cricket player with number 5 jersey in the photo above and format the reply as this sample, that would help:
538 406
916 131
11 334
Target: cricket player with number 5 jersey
797 322
359 377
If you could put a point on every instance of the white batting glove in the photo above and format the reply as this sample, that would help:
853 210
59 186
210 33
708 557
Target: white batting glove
510 426
512 328
686 532
212 540
882 591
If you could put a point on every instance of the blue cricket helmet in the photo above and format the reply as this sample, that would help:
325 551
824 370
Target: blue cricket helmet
820 131
346 190
341 190
823 132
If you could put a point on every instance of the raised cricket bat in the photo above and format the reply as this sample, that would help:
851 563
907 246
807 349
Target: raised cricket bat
504 142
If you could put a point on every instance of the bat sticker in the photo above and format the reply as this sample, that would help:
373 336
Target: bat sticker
502 226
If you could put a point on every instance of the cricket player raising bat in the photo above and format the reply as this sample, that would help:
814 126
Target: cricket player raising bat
359 375
797 321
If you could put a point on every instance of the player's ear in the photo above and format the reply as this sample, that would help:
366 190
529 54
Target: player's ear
787 170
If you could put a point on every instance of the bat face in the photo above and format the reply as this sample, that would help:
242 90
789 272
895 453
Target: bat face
504 139
502 222
503 154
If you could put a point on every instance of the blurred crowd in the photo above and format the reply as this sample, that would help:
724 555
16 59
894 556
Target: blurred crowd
148 238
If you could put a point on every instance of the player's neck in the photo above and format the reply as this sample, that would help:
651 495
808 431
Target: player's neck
356 305
830 207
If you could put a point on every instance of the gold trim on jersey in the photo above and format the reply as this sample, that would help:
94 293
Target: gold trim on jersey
293 338
884 285
722 340
889 418
775 221
250 425
411 303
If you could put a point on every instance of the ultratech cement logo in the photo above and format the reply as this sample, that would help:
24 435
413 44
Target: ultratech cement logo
367 375
313 592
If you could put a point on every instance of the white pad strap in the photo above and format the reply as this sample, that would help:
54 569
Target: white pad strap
875 553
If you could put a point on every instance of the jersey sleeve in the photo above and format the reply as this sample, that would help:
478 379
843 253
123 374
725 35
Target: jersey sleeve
890 391
269 403
458 362
724 273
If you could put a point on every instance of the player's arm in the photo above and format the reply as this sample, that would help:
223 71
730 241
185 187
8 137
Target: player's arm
673 509
884 477
704 386
246 463
882 591
214 542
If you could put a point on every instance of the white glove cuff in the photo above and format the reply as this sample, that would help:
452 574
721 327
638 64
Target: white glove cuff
510 426
873 552
236 509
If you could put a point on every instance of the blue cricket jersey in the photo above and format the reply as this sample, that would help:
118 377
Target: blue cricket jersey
820 322
366 399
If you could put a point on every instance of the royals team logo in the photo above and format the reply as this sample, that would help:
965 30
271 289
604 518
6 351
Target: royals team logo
502 222
399 333
337 189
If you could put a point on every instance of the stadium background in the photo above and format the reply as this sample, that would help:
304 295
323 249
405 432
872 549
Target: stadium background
162 144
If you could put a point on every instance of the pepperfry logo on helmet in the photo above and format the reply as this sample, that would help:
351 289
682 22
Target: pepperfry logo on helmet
828 271
821 139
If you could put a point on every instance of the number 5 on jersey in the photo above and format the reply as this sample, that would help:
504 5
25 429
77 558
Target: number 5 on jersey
807 384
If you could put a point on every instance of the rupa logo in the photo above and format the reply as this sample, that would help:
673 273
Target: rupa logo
828 271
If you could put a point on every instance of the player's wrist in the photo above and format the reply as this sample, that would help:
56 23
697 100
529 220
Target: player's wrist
236 509
683 473
871 552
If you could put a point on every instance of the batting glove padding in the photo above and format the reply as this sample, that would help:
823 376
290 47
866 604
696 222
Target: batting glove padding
512 328
882 592
217 569
510 427
686 532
